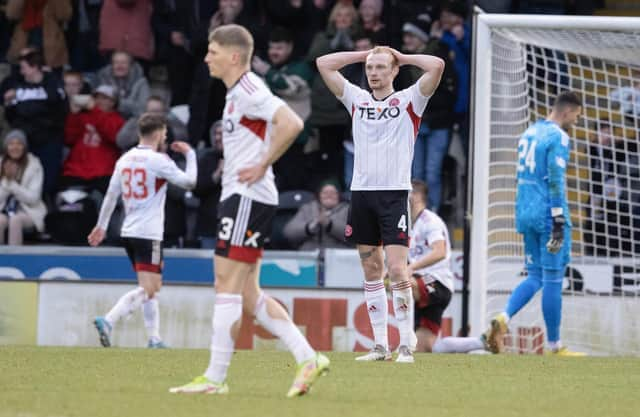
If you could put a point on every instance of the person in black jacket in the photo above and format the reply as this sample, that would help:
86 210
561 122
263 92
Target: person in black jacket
36 104
432 142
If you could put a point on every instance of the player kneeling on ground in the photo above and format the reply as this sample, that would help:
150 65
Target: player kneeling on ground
141 176
431 278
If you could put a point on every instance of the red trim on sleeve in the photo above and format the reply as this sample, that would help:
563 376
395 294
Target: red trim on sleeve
257 126
244 254
159 183
147 267
415 119
353 109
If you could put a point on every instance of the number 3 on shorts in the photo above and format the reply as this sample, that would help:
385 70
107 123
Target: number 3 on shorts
226 225
402 224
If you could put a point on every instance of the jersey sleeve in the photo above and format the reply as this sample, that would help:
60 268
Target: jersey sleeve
110 199
168 170
434 233
557 159
418 101
349 96
262 104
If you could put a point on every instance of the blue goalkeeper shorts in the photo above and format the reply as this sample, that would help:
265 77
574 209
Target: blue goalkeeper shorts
538 258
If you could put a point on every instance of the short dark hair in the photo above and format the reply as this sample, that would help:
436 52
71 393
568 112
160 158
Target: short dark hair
33 58
420 187
149 123
567 98
280 34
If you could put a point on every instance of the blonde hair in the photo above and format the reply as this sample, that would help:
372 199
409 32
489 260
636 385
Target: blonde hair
338 7
235 36
385 50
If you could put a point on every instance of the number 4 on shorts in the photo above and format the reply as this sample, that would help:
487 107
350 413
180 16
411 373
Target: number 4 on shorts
402 224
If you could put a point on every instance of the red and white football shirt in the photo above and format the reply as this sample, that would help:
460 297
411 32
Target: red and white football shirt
247 124
384 132
427 229
141 177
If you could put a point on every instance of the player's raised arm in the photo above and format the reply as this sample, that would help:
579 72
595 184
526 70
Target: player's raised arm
329 66
170 171
108 205
432 66
287 125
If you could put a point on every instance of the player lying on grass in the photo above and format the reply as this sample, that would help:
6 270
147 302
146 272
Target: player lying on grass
431 278
141 176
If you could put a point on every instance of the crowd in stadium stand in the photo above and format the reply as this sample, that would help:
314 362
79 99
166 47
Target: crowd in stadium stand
87 69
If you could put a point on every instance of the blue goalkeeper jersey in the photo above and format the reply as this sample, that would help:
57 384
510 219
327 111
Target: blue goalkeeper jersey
543 154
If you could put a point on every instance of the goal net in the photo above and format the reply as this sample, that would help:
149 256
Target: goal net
520 64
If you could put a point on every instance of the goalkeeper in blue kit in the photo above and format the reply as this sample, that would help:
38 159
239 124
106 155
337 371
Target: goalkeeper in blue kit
543 219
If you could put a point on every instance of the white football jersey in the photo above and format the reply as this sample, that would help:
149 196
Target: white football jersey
429 228
384 132
141 177
247 124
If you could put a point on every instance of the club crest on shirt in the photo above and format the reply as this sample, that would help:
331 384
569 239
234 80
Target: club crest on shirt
231 107
348 231
394 102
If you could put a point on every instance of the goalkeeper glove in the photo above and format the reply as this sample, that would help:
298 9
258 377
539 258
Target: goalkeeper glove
557 234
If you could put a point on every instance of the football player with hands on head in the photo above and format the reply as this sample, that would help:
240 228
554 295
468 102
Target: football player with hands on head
384 126
140 177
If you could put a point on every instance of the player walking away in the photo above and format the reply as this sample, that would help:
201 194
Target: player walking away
431 277
385 124
542 217
258 128
141 176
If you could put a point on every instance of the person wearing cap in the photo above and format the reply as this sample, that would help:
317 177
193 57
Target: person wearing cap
432 142
21 176
90 133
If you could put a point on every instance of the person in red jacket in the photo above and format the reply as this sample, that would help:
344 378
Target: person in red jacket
90 133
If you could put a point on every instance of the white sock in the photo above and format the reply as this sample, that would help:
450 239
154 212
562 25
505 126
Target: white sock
554 345
151 315
403 308
126 305
376 297
285 330
457 345
226 312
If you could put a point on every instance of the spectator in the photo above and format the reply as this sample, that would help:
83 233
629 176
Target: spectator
126 76
125 25
83 36
41 24
628 98
209 187
21 178
290 80
319 223
74 84
90 132
295 15
327 113
127 137
456 34
432 142
370 14
36 104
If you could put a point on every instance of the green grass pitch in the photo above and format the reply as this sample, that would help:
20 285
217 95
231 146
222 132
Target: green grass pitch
87 382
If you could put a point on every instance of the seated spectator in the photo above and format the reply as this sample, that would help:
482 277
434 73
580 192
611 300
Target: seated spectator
90 132
290 80
36 104
75 84
209 187
125 25
21 175
41 24
126 76
628 98
320 223
370 14
127 137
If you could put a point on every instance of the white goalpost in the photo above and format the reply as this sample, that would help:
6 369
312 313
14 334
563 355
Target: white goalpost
521 62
